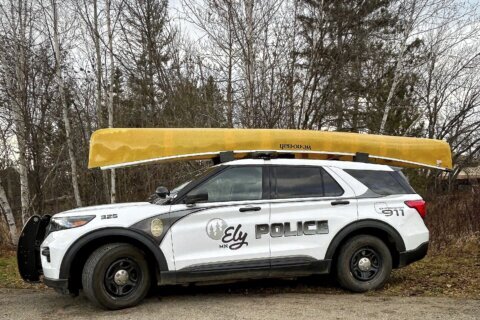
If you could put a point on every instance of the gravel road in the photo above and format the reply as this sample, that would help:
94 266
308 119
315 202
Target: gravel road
28 304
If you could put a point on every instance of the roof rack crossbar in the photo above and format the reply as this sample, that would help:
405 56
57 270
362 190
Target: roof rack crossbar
361 157
224 156
267 155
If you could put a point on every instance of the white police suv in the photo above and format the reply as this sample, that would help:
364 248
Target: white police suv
249 218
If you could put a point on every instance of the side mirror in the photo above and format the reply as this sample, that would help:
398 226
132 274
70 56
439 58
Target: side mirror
194 198
162 192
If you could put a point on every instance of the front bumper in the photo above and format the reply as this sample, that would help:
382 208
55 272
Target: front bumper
411 256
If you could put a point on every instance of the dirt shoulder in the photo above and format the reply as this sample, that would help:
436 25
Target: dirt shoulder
188 304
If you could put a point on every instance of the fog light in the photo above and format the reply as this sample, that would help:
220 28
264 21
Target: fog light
46 253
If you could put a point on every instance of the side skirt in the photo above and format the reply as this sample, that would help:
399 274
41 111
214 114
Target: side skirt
256 269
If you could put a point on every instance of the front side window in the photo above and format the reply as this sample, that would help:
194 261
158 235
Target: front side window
233 184
304 182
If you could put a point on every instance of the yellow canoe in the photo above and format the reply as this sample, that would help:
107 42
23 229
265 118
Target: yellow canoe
117 147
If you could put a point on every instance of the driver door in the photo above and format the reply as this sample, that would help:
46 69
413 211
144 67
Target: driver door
219 234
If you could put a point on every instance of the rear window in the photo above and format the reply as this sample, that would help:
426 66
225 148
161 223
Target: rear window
304 182
382 182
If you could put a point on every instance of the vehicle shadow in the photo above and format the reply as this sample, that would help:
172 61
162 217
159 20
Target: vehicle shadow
311 284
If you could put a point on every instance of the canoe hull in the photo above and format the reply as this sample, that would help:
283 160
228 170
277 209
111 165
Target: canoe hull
117 147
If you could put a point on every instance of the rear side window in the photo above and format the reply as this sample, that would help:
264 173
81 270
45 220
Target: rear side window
304 182
382 182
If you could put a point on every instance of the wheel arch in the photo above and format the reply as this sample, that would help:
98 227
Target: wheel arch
77 254
373 227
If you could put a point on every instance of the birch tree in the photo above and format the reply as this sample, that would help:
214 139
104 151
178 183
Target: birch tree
110 92
63 101
412 8
16 23
4 202
93 25
5 205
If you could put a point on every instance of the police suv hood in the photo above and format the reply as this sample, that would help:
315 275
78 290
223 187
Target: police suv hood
133 208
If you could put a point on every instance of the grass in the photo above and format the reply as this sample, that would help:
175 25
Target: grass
9 276
453 271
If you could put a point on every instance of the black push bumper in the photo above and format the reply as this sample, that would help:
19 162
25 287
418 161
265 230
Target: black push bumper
28 249
410 256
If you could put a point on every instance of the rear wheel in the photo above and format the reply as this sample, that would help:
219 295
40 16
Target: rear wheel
364 263
116 276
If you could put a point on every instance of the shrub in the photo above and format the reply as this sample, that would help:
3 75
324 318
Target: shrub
453 217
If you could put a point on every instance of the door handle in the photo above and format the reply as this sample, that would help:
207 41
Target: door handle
339 202
245 209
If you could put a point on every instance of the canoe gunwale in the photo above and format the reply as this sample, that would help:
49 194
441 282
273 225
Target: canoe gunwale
186 157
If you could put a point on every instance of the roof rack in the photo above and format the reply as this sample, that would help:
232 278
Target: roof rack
227 156
267 155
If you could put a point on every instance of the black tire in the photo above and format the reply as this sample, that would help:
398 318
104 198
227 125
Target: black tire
352 274
98 277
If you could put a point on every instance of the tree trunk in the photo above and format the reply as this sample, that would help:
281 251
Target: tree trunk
113 193
290 104
398 68
396 79
12 227
98 102
20 102
249 61
66 120
22 159
98 64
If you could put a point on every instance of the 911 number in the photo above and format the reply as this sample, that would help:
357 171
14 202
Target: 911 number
391 212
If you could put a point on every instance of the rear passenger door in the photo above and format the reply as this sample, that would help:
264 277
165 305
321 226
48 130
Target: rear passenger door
309 206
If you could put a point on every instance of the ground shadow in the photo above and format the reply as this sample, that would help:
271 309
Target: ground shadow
311 284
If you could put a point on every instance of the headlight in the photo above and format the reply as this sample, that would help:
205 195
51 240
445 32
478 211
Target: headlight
62 223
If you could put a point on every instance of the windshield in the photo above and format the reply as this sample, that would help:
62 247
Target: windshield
178 188
199 175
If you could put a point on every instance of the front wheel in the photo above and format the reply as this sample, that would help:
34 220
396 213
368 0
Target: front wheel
364 263
116 276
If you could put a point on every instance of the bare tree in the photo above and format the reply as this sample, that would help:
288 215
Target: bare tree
94 30
413 9
217 20
63 101
244 50
17 22
420 18
406 67
111 93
